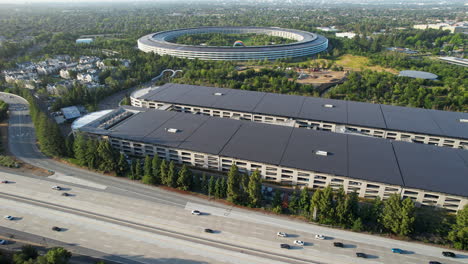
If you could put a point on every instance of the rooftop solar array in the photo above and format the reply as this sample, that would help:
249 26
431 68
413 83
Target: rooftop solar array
398 163
415 120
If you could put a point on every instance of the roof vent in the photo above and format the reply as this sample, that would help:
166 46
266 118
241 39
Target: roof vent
328 105
462 120
218 94
172 130
321 153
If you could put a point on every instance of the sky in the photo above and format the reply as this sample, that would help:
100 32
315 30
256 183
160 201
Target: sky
312 1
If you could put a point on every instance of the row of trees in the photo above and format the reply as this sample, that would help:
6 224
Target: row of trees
30 255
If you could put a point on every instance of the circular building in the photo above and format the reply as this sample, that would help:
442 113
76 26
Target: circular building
418 75
305 44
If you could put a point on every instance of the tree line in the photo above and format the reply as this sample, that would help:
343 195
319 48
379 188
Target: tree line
30 255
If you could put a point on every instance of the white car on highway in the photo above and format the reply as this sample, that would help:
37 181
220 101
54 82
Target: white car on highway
281 234
299 242
321 237
9 217
58 188
196 212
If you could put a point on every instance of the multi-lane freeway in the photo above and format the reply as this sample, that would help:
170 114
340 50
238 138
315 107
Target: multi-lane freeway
135 223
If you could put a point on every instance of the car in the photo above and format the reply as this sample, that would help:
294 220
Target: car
207 230
65 194
5 181
58 188
397 250
338 244
285 246
9 217
196 212
281 234
3 242
321 237
448 254
361 255
434 262
299 242
56 228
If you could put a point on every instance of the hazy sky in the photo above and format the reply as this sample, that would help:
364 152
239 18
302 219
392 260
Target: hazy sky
312 1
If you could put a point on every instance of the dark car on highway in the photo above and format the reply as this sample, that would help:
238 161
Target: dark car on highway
434 262
286 246
448 254
338 244
56 228
207 230
361 255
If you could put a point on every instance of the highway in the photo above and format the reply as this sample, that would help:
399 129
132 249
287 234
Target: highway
118 204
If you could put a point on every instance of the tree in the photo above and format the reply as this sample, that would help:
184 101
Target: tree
106 156
69 143
304 201
223 188
58 256
91 157
155 169
147 167
342 211
204 184
138 170
79 148
196 183
391 213
148 177
407 217
163 172
184 181
276 199
357 225
171 175
254 189
233 185
211 186
325 206
122 165
315 204
218 188
28 252
459 233
294 202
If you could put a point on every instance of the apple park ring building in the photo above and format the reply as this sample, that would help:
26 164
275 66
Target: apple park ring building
305 44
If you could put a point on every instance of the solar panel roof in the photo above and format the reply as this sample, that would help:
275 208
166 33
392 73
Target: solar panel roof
303 145
138 126
218 131
258 142
381 164
416 120
402 118
282 105
365 114
393 162
432 168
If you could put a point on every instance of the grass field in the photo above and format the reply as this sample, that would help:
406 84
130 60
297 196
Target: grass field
358 63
